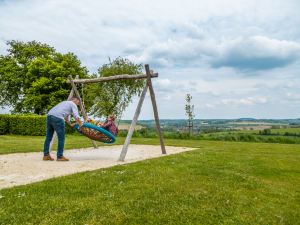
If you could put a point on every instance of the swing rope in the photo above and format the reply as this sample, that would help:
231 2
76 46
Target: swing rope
82 94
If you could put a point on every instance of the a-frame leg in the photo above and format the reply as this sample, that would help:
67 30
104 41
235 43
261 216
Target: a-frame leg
133 123
152 95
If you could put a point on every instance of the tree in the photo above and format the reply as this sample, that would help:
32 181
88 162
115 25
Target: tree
113 97
33 76
189 111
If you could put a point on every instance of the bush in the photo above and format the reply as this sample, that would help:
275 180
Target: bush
4 124
265 132
27 125
32 125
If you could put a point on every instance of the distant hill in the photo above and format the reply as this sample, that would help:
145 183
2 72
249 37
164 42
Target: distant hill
246 119
220 124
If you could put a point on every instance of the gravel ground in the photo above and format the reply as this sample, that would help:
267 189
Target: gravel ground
24 168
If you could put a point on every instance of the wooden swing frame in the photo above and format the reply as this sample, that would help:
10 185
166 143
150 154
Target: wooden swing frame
148 85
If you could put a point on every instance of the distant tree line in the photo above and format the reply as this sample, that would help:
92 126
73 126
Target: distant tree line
224 136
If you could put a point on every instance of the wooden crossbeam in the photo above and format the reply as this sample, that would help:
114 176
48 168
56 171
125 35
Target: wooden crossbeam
110 78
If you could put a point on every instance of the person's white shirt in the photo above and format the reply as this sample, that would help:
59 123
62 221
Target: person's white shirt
64 109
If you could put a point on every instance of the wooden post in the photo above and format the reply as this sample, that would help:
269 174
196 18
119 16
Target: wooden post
133 123
74 88
149 82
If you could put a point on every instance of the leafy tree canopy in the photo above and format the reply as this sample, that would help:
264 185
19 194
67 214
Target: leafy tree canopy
112 98
33 76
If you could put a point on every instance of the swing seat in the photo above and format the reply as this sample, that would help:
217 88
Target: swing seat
95 133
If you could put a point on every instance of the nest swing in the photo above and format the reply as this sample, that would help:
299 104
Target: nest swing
95 133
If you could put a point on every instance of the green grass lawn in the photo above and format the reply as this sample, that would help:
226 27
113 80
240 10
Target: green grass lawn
18 143
220 183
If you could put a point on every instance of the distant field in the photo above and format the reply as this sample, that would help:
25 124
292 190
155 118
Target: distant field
258 127
288 136
280 131
126 126
255 123
285 130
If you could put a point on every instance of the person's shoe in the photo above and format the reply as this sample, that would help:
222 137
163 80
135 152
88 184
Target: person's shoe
62 158
47 158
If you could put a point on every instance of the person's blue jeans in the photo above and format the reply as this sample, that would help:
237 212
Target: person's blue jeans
57 125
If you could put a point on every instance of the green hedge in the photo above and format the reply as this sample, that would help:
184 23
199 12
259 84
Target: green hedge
32 125
4 124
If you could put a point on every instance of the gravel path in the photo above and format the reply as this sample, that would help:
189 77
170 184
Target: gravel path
24 168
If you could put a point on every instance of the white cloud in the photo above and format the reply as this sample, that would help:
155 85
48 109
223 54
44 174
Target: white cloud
293 97
257 52
244 101
235 102
181 40
4 110
163 83
207 105
177 51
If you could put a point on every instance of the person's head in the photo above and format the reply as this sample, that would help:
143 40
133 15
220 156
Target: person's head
76 100
111 118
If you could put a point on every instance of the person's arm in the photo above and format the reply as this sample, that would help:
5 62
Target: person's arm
78 121
99 124
67 119
76 115
106 125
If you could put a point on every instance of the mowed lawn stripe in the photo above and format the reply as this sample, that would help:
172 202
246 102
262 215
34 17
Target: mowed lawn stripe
220 183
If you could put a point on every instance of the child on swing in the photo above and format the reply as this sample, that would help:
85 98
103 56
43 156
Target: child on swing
109 125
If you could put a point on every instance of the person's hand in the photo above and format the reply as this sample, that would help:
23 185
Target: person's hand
99 124
79 123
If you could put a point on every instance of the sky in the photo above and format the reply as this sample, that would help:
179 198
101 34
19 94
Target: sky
236 58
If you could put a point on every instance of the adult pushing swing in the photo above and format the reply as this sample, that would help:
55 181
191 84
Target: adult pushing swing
56 118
